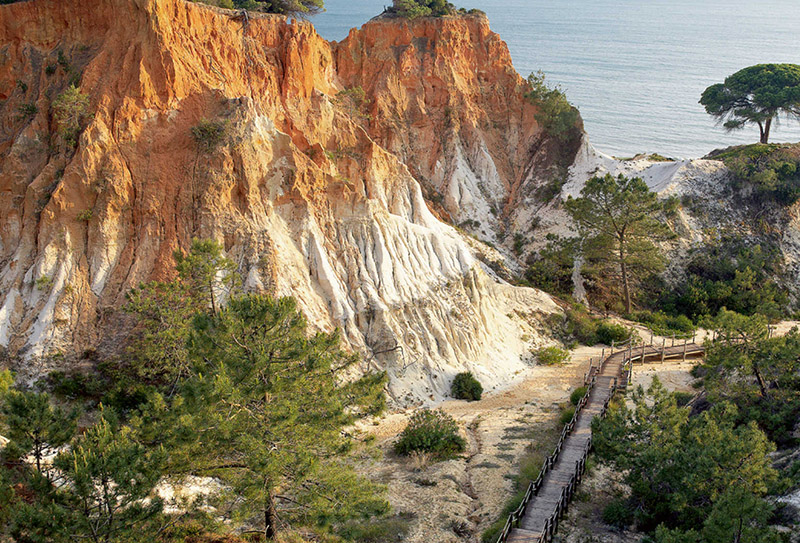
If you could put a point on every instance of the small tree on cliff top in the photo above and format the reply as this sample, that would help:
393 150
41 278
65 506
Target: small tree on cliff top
617 219
556 115
755 95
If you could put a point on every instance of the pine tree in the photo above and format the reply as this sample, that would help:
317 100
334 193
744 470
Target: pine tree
165 310
265 412
35 427
617 218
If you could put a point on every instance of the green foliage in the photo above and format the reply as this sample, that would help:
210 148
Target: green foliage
412 9
27 111
551 269
731 274
158 353
466 387
208 135
618 220
265 409
431 431
679 468
382 530
43 282
760 375
566 415
618 514
577 395
292 8
664 325
98 489
582 327
85 215
773 170
34 426
755 95
552 356
71 111
557 117
206 272
608 332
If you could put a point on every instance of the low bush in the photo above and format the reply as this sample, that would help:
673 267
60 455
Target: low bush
567 414
608 332
576 395
618 514
431 431
208 135
71 110
381 530
412 9
663 324
466 387
552 356
773 170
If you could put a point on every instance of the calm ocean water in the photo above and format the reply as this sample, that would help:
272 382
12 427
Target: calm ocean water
635 68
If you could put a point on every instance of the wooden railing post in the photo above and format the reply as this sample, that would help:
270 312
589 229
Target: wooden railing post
673 340
684 350
663 350
612 348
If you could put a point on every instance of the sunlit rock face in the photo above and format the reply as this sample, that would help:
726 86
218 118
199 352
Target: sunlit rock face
309 196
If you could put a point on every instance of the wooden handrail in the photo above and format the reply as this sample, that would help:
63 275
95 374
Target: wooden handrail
620 382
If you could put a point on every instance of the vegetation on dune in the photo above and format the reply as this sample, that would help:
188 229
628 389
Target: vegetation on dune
755 95
552 356
430 431
773 170
466 387
240 392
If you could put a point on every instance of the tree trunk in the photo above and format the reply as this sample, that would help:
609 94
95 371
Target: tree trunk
270 517
623 268
761 384
765 132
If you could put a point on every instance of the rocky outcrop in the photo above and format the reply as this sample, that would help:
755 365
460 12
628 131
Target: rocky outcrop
310 196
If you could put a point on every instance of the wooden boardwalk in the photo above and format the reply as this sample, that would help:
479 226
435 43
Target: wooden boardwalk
547 498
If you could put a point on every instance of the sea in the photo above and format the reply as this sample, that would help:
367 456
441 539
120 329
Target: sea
634 68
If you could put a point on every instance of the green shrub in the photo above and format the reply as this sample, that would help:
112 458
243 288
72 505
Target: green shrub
411 9
663 324
381 530
431 431
27 111
618 514
556 115
71 110
85 215
772 169
608 332
552 356
466 387
208 135
576 395
551 269
567 414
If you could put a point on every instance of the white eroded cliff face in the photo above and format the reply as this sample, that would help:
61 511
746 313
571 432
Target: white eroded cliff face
303 199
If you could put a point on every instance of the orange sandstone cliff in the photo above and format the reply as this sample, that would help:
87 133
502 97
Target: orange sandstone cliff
315 193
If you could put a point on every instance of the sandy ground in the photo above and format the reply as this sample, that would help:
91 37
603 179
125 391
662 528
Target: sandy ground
456 500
